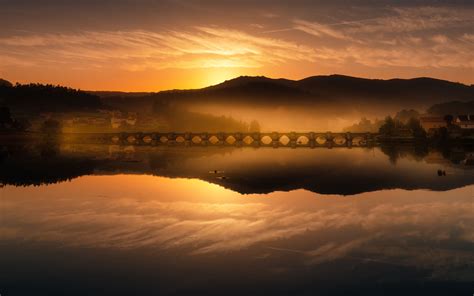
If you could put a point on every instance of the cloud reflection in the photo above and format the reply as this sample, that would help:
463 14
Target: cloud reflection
389 225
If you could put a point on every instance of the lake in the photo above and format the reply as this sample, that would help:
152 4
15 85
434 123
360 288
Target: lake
81 219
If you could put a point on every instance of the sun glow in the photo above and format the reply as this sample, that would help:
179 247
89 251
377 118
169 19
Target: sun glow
215 76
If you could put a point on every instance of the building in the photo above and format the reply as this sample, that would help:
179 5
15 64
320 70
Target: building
430 123
465 121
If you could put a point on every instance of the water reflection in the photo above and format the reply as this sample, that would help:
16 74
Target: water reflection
248 170
193 229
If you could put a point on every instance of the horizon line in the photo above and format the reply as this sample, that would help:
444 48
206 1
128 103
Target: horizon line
237 77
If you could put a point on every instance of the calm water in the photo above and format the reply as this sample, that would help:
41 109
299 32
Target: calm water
115 220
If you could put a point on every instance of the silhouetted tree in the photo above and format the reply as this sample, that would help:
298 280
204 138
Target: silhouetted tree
415 126
392 152
405 115
365 125
254 126
47 98
389 127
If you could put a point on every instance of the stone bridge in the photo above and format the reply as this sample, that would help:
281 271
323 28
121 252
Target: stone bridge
257 139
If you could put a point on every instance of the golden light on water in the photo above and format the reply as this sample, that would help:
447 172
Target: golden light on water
131 211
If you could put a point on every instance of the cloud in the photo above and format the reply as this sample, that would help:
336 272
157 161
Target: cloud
415 19
202 47
420 37
408 37
468 37
441 39
319 30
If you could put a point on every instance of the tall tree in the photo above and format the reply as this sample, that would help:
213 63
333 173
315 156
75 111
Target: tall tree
389 126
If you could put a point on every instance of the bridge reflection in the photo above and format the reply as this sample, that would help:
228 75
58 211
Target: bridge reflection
273 139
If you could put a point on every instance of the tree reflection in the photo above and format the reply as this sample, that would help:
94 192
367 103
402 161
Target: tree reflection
246 170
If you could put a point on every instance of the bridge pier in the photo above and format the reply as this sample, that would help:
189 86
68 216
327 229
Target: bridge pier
293 138
204 139
170 139
329 137
220 138
256 137
187 136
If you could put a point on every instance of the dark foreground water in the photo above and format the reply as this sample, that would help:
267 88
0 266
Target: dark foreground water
114 220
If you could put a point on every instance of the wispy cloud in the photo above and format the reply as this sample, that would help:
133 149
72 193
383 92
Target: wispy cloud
317 29
403 20
395 22
421 37
201 47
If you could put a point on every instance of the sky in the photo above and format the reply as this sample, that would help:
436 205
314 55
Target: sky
146 45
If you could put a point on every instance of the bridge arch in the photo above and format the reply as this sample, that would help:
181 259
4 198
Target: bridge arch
115 139
321 140
339 140
147 139
302 140
163 139
284 140
230 140
266 140
131 139
196 140
213 140
248 140
358 141
180 139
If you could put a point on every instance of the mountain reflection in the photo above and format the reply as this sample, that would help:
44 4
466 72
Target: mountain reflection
419 229
247 170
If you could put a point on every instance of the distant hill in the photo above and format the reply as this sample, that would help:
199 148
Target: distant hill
6 83
338 90
453 108
426 90
319 102
34 98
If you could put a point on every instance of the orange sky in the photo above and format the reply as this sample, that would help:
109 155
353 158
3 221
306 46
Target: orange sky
156 45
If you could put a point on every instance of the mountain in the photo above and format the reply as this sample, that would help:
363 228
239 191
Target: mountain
314 103
453 108
5 83
337 90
